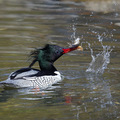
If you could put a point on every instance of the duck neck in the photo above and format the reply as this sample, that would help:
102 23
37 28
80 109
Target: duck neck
47 67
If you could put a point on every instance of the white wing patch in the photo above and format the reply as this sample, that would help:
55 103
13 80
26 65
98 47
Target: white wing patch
30 72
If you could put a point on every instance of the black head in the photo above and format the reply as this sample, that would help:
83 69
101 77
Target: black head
49 54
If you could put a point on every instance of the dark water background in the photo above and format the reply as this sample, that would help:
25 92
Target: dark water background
26 24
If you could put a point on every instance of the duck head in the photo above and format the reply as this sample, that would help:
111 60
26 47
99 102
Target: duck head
49 54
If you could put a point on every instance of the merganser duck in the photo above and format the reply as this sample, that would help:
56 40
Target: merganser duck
47 76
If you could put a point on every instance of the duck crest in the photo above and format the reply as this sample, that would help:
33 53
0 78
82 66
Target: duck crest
38 53
44 57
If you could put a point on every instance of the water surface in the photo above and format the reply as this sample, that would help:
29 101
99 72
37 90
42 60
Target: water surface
25 25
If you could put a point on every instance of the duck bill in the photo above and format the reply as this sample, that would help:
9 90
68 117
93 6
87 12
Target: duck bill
74 47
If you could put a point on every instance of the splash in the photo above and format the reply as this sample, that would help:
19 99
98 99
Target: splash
99 62
73 36
75 40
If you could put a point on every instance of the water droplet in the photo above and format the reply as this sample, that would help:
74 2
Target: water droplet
101 60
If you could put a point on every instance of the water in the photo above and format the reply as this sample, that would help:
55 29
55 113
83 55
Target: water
90 89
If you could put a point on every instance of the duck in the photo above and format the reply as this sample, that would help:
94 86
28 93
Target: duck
44 77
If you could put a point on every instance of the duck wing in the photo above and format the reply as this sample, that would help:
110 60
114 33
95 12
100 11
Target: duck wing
23 72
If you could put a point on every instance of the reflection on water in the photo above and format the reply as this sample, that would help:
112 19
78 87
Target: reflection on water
98 83
90 98
96 92
86 96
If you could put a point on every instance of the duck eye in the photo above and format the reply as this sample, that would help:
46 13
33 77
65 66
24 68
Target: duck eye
57 52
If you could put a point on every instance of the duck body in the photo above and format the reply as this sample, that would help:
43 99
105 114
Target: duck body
43 78
30 77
